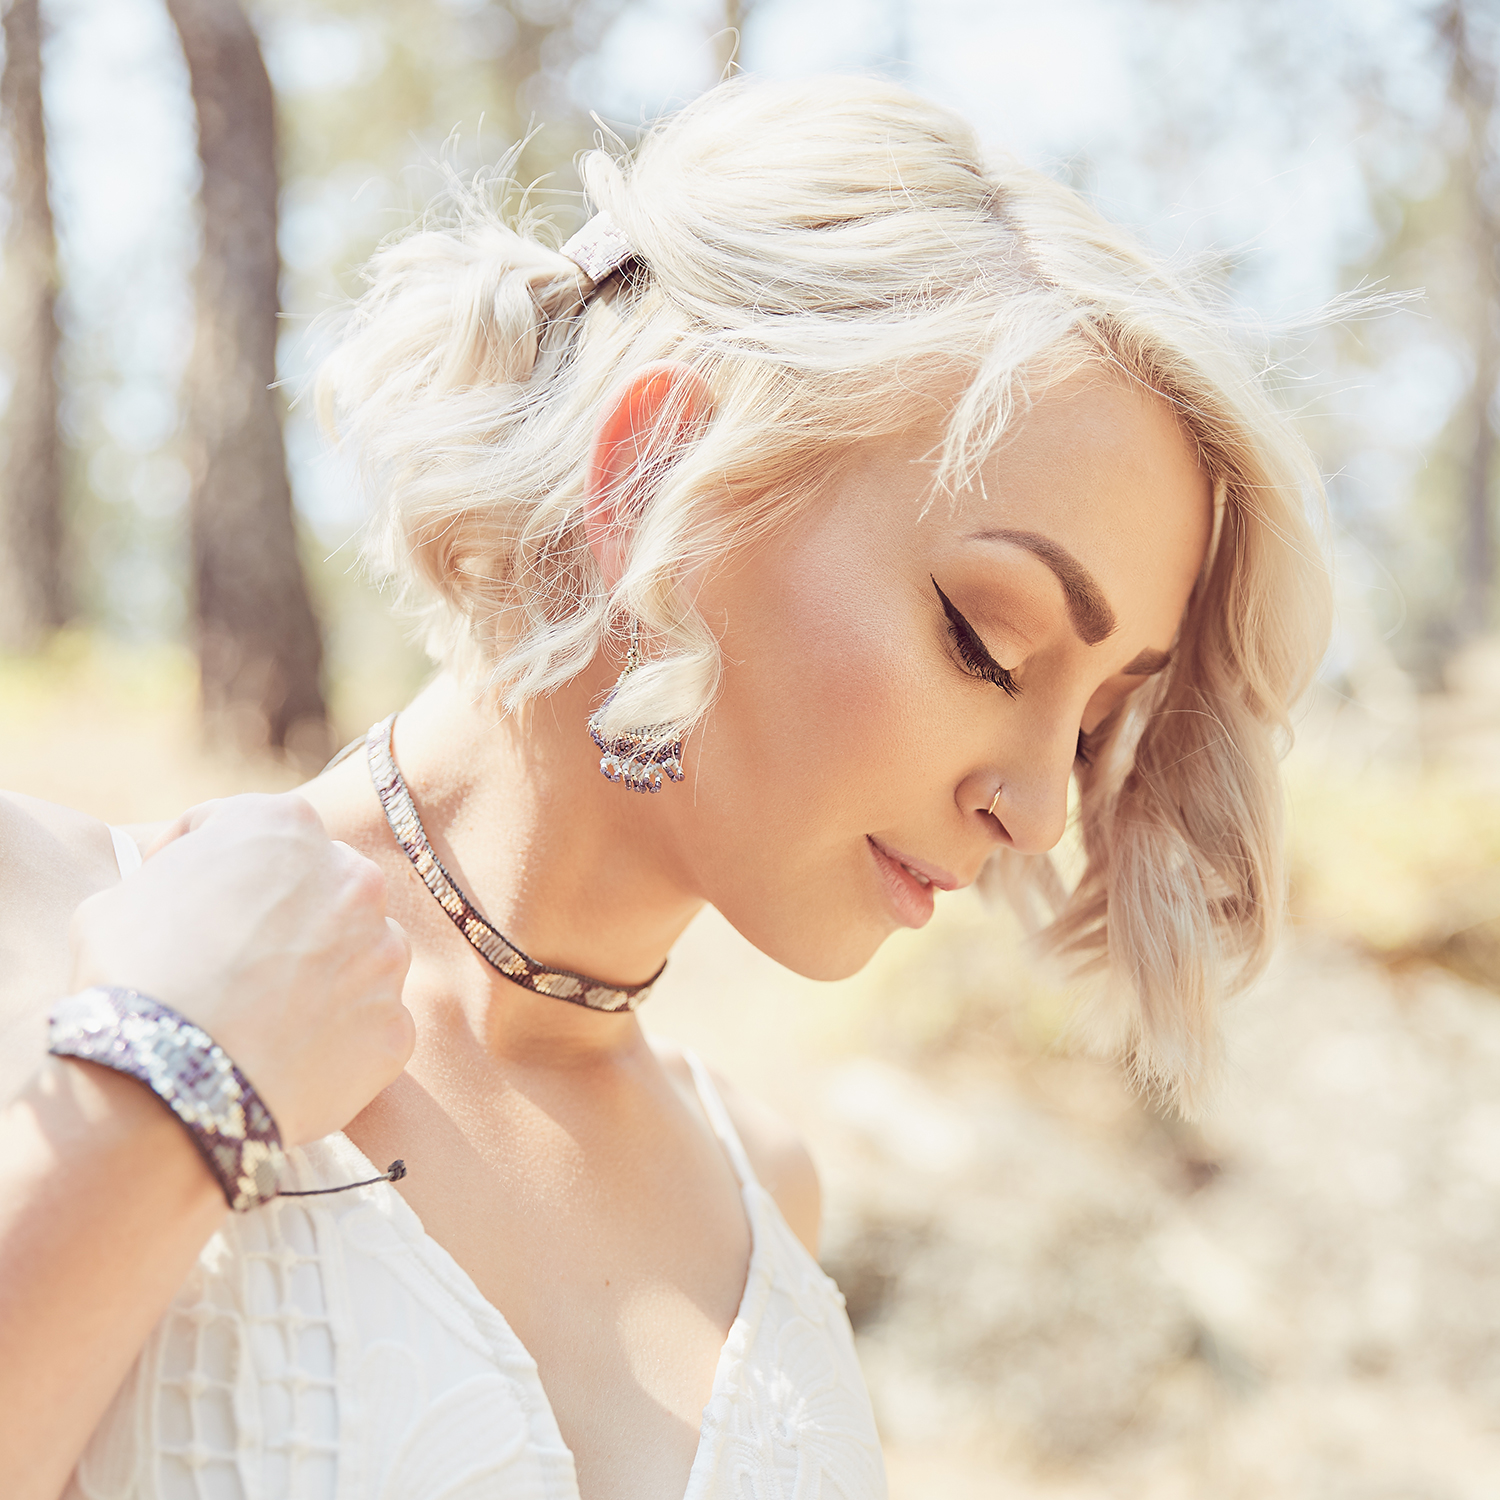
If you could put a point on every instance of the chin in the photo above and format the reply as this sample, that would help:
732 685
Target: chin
845 966
839 950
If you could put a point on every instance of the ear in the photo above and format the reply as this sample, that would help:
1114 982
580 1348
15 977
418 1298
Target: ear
645 423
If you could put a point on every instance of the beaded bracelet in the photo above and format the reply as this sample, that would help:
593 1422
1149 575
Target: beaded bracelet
189 1072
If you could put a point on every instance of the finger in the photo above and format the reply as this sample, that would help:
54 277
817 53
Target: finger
400 1033
295 806
187 822
397 931
82 918
261 806
362 881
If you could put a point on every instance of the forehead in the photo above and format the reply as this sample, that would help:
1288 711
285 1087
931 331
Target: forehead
1103 468
1085 451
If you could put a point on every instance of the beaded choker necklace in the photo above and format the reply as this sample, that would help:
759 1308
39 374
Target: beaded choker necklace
492 945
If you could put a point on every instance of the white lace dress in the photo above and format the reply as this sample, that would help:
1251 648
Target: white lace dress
330 1349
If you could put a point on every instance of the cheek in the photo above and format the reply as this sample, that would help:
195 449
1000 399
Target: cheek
817 725
816 702
813 742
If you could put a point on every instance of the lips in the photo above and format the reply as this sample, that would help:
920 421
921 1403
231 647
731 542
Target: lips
909 883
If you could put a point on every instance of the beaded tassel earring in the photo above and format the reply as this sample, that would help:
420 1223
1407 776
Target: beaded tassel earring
639 757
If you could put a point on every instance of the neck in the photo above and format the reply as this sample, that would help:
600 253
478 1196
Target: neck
573 869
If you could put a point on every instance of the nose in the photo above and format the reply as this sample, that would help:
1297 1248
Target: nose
1033 820
1025 806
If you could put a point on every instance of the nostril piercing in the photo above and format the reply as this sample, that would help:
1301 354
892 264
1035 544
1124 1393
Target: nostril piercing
994 800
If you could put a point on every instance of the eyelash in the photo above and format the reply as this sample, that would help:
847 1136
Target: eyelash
977 662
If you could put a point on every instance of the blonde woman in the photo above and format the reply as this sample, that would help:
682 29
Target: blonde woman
842 499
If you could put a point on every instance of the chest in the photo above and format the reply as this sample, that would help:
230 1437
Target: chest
328 1348
605 1225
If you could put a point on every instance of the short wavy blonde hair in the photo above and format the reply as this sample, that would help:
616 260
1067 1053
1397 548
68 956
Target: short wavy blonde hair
813 249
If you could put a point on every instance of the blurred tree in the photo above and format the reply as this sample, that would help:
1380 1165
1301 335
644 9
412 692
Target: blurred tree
471 81
736 13
529 82
1436 209
33 596
259 647
1476 168
1402 409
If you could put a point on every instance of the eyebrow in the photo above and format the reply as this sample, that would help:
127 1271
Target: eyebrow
1088 609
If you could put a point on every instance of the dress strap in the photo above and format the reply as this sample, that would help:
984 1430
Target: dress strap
718 1117
127 851
344 754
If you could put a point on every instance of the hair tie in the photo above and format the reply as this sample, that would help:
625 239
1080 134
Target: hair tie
599 249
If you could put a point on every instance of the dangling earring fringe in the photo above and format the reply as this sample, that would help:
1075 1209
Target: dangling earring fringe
640 757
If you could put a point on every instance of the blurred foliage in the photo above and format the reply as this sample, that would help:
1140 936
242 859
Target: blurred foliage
1218 147
112 728
375 94
1399 863
1298 150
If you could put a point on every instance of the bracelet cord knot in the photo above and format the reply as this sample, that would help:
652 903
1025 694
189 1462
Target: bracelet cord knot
229 1123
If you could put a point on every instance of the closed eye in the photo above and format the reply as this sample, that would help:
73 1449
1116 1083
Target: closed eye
973 657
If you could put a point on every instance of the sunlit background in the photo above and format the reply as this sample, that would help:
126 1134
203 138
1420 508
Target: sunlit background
1058 1291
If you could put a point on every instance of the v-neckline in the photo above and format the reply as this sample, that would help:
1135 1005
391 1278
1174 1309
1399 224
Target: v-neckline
465 1284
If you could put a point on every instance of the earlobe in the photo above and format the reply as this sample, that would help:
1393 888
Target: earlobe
643 427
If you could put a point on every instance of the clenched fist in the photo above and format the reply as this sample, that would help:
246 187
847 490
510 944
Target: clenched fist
249 920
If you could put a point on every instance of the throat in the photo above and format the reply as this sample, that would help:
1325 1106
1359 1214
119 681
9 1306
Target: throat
552 885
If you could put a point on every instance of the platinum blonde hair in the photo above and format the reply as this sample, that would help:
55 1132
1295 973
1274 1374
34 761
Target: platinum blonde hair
813 249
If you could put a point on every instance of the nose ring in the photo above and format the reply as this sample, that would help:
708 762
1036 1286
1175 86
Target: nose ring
994 800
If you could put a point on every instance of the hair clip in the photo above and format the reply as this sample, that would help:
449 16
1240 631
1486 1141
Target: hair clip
599 249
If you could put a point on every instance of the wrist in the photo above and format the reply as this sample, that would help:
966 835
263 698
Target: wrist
188 1072
114 1122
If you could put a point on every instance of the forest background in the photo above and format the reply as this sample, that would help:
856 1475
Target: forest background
1058 1290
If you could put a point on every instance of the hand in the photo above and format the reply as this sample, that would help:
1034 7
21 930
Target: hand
249 920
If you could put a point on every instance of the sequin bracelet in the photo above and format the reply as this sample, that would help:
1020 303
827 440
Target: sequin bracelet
194 1077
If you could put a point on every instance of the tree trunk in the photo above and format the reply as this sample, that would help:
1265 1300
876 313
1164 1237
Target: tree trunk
259 649
1472 86
728 38
33 598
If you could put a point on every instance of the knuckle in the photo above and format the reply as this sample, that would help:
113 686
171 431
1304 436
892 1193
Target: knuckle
259 805
365 882
295 810
193 818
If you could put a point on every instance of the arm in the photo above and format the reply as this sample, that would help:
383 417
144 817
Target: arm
273 939
51 859
104 1205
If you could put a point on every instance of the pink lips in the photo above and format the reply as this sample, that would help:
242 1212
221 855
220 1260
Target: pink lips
909 883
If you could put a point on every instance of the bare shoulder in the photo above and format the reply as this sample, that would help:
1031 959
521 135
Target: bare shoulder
51 858
780 1158
31 819
775 1148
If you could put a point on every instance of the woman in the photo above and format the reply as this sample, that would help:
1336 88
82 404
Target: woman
850 501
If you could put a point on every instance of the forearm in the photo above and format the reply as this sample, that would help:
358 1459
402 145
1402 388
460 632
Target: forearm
104 1205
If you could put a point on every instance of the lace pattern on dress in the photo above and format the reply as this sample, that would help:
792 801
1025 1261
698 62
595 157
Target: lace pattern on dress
329 1349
